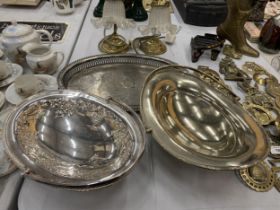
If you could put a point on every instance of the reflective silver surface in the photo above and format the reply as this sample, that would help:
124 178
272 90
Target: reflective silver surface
76 136
74 140
199 125
119 76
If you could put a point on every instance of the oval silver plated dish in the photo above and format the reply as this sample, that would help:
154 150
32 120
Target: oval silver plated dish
198 124
68 138
118 76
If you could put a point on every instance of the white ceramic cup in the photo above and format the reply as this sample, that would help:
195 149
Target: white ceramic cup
42 60
27 85
64 6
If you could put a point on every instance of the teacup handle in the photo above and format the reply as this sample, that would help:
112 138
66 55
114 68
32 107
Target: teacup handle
48 34
61 57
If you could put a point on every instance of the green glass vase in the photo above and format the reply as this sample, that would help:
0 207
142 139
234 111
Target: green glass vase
98 11
137 12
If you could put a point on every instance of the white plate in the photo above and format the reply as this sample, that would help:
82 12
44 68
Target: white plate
50 83
16 72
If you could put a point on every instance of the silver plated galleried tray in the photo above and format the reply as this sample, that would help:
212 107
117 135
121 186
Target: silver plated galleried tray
118 76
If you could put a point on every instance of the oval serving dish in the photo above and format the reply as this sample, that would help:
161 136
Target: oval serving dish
70 139
198 124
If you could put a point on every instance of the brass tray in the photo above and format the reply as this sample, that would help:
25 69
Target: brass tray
70 139
119 76
198 124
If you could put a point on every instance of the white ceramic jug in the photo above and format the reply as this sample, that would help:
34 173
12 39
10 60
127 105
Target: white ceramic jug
41 59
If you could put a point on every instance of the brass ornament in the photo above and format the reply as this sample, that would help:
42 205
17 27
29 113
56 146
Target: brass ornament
160 3
261 114
277 102
150 45
208 71
208 74
277 124
113 43
271 79
264 79
265 107
231 71
213 78
148 4
273 89
252 68
261 78
276 170
247 87
274 163
231 52
277 184
259 177
261 99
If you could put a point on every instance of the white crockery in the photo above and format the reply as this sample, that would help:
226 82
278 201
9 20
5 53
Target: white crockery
5 71
15 36
42 60
16 71
27 85
13 97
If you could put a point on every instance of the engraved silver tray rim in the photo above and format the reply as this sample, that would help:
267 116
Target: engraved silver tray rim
98 60
30 169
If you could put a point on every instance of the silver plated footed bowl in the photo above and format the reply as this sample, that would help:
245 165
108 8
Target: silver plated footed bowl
198 124
71 139
119 76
